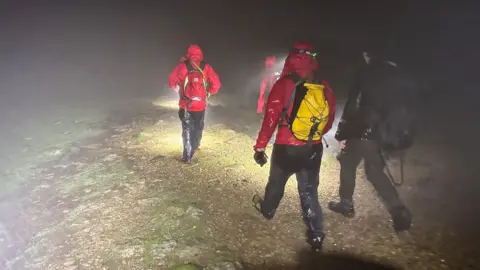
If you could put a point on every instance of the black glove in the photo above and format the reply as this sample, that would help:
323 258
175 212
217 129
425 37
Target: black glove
260 157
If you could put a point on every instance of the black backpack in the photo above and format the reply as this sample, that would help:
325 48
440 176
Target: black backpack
395 124
396 115
397 129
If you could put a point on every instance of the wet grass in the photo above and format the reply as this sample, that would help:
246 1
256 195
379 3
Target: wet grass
96 179
29 143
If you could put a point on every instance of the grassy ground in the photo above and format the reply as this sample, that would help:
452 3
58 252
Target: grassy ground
122 200
27 140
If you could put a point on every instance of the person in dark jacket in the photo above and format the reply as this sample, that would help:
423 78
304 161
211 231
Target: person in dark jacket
288 156
372 94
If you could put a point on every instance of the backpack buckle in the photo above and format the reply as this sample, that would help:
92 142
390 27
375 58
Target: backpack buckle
315 119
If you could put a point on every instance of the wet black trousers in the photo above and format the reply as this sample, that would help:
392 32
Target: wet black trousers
192 130
355 150
304 162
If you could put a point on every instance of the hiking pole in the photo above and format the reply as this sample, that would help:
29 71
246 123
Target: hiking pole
389 173
325 141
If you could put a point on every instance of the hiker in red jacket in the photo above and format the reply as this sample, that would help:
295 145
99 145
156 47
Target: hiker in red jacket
195 81
268 80
290 155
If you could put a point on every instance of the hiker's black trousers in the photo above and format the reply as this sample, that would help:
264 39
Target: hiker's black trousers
304 162
355 150
192 130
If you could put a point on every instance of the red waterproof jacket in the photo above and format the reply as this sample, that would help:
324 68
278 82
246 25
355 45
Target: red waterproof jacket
180 72
268 80
301 64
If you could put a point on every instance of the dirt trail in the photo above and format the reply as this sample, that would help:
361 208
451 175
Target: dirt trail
124 201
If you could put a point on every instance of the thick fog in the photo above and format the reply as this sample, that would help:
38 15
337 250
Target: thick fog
82 57
53 52
57 51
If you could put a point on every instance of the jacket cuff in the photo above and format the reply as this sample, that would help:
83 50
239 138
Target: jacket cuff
260 146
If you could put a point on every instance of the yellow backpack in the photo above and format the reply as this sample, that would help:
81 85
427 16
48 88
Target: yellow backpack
309 112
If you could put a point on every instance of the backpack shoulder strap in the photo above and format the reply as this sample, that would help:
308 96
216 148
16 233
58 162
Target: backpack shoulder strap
297 80
189 66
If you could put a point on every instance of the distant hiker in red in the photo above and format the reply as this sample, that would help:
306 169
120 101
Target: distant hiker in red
303 111
194 80
268 80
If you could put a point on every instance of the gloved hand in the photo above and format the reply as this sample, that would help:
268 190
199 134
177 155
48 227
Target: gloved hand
260 157
176 88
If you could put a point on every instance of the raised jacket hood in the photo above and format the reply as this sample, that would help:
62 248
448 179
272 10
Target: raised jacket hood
301 64
270 62
195 53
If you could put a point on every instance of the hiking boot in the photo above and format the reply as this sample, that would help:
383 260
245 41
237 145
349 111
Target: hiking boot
402 219
315 241
186 160
344 207
257 204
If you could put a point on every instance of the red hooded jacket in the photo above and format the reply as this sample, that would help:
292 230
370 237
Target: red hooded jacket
180 72
268 80
301 64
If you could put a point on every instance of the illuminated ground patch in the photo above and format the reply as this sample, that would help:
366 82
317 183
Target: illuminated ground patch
134 205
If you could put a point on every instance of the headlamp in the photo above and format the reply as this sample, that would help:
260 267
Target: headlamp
301 51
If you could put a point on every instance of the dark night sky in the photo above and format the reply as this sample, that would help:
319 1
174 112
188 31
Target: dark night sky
107 42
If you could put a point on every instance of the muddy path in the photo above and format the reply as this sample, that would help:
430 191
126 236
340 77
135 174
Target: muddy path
123 200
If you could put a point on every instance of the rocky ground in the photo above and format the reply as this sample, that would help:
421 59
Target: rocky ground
120 199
